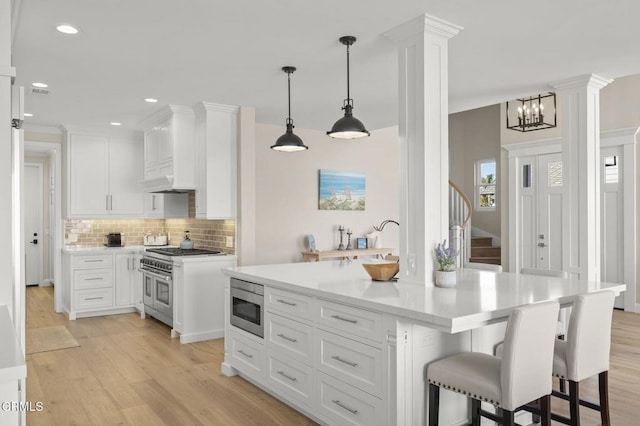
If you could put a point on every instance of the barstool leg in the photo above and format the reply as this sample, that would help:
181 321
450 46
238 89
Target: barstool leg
545 410
475 412
574 403
507 418
603 384
434 404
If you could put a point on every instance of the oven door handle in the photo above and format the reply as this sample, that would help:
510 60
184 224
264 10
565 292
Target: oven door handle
155 274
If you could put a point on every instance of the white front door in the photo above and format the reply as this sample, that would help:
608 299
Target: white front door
611 218
33 223
549 237
541 211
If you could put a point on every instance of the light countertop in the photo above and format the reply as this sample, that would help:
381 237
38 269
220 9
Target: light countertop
479 298
12 362
95 249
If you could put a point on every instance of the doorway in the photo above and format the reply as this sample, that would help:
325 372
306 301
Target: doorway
50 236
33 221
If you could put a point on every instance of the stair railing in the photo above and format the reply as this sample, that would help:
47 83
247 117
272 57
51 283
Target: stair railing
459 223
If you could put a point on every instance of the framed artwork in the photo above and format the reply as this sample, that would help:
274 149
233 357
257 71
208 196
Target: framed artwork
361 243
341 190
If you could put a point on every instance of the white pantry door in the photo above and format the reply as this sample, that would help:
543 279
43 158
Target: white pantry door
33 223
612 218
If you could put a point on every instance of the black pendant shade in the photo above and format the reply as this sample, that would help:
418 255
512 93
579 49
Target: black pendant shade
348 127
289 142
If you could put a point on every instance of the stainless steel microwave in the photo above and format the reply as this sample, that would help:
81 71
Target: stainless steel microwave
247 306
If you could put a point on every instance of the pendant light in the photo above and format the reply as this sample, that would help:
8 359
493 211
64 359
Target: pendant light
289 142
348 127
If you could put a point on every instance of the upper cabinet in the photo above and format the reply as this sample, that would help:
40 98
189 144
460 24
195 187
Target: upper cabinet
216 160
169 150
103 174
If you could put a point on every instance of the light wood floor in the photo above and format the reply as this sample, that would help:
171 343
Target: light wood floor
127 371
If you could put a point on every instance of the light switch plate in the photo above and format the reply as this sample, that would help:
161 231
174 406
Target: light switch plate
229 242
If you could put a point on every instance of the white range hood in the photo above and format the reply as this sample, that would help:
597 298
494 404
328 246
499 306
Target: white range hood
164 185
169 150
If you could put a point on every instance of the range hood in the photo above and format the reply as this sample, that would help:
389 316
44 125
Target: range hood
164 185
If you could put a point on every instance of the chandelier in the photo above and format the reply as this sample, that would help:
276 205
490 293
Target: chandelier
532 113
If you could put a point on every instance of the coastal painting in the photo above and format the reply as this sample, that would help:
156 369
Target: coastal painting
341 190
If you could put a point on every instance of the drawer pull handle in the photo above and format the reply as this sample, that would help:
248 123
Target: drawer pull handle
287 303
241 352
286 376
341 405
94 279
338 317
337 358
93 260
285 337
94 298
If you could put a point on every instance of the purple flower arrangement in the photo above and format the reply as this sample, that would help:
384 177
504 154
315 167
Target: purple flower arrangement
446 256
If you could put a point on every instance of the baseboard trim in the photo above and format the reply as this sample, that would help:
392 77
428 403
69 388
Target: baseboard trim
46 283
199 337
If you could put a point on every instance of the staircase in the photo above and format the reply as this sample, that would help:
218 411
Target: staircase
482 251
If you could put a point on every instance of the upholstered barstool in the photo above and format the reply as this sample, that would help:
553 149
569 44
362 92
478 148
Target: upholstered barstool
585 353
508 383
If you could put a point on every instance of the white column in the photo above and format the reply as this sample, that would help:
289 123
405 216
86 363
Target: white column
580 121
424 140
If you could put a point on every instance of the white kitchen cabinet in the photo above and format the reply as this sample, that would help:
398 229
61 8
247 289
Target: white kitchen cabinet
101 282
169 149
198 296
103 175
326 359
127 280
166 206
216 160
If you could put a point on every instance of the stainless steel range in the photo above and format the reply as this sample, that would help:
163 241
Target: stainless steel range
157 271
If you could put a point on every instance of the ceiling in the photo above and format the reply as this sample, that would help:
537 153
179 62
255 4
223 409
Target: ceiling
231 52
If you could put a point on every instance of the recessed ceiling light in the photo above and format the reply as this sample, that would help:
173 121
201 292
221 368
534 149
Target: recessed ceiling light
115 123
38 84
28 114
67 29
151 100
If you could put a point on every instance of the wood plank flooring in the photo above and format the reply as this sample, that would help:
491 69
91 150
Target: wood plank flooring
127 371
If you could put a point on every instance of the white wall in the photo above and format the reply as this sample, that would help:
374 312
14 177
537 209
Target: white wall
6 249
287 191
475 135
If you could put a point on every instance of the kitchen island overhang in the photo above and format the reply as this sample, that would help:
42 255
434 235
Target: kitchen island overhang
394 328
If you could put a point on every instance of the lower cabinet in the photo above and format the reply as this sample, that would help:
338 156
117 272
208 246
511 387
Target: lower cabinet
100 284
322 357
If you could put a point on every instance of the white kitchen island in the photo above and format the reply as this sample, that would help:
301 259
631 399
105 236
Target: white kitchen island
344 349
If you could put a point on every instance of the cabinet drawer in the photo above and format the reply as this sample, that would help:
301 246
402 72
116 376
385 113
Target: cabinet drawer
291 377
94 261
289 303
248 356
346 405
290 336
93 298
92 278
347 319
357 363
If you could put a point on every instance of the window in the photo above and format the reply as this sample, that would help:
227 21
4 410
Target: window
486 184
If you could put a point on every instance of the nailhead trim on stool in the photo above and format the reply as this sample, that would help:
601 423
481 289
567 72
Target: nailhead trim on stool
480 397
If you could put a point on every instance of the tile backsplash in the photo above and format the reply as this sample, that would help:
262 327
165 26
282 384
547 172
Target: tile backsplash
206 234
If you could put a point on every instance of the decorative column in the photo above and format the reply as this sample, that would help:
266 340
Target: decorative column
580 115
424 142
